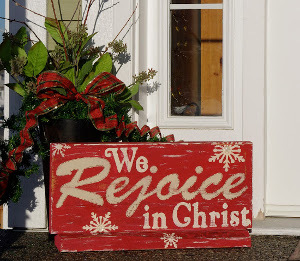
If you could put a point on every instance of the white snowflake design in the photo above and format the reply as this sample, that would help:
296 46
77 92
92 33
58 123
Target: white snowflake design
170 239
60 148
100 224
227 152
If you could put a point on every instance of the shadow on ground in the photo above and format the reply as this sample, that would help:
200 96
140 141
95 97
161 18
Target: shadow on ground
37 246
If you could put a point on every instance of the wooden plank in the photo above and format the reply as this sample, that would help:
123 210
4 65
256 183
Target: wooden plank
151 190
69 243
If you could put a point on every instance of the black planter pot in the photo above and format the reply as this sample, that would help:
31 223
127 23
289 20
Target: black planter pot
61 131
67 130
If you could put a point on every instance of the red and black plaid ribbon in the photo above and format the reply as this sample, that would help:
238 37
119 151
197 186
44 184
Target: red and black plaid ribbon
55 90
126 129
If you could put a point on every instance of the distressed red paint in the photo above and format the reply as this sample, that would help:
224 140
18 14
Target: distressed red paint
115 196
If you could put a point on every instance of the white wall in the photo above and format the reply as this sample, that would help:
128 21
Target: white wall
283 126
30 211
254 30
107 18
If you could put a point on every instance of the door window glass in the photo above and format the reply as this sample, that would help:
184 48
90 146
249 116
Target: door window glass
196 60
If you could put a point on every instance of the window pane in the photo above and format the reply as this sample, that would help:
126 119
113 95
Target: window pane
196 62
196 1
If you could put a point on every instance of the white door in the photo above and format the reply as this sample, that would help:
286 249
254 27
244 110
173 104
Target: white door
283 92
185 80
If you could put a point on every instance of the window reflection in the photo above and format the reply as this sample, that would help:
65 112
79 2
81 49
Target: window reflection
196 62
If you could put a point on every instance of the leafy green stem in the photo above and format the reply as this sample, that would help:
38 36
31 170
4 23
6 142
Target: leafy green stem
88 10
106 49
61 34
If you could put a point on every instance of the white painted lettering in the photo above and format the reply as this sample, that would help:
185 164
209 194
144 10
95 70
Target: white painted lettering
146 218
144 183
229 185
79 165
141 164
128 162
176 221
173 182
225 215
213 216
163 220
215 180
245 221
234 218
198 214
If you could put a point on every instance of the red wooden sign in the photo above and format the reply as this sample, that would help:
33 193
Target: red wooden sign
115 196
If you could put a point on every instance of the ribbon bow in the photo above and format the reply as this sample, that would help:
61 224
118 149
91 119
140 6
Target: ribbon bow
55 90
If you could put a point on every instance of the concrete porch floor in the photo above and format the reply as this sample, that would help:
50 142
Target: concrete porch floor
277 226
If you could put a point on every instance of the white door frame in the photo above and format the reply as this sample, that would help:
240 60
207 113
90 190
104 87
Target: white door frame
249 39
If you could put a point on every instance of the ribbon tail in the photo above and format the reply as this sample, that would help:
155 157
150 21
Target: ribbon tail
129 128
15 156
170 138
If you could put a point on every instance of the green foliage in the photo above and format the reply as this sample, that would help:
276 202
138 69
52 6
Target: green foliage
12 51
125 97
84 71
53 30
37 59
136 105
17 88
103 64
118 46
21 37
85 41
17 65
75 57
145 76
5 53
32 170
71 110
